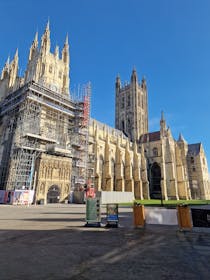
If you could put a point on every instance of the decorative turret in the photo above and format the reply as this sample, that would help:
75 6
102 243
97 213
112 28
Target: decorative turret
66 61
143 84
181 138
45 41
65 51
5 70
162 124
56 52
134 78
34 47
182 143
13 70
118 83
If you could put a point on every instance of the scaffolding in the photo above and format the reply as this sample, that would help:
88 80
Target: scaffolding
80 141
37 120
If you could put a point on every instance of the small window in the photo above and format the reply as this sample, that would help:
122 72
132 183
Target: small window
194 169
50 69
192 160
155 152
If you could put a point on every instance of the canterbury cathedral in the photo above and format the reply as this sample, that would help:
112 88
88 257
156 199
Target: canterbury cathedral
51 146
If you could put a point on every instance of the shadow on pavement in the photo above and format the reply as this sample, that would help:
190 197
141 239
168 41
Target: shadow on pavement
121 253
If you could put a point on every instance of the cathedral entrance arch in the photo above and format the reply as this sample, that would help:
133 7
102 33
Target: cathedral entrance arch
155 181
53 194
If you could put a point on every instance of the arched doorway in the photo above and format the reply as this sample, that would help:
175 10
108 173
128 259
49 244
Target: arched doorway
53 194
155 181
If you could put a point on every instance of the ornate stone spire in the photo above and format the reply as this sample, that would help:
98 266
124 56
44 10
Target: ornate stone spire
162 124
13 69
118 82
65 51
57 51
134 77
35 42
181 138
67 39
45 42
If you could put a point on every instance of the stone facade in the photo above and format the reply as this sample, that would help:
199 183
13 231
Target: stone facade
53 171
119 166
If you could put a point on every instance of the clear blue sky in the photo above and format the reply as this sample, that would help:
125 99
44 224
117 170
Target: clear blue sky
167 41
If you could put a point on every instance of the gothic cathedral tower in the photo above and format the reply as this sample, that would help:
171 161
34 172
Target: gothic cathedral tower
46 68
131 107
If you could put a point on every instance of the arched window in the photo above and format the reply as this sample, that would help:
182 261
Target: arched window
123 125
101 170
123 103
155 181
128 100
113 173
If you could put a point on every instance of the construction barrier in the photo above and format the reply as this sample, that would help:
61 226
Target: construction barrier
161 216
17 197
93 212
138 215
184 217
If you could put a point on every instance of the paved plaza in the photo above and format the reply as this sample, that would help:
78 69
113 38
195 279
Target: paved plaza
51 242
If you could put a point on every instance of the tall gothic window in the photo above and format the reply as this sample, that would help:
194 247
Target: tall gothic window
128 100
101 171
113 173
123 125
123 103
129 127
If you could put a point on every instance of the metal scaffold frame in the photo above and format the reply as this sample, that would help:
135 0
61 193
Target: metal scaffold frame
38 120
80 141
